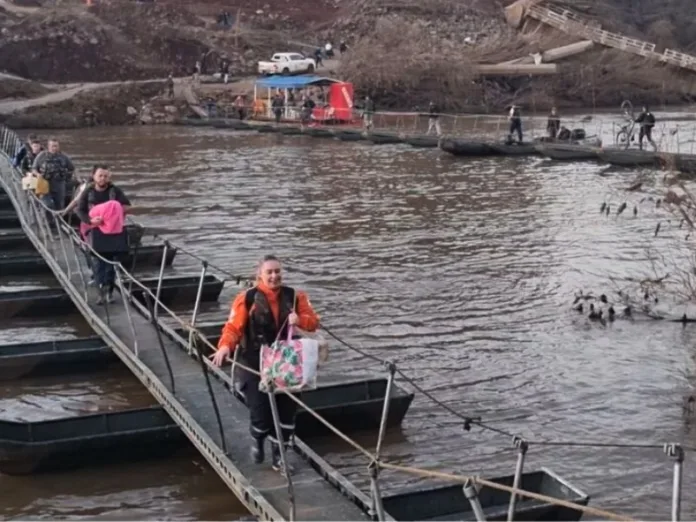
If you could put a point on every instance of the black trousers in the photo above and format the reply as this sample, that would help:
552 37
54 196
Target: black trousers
645 132
104 272
515 127
260 415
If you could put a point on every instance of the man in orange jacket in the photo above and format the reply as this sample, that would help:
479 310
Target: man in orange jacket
259 316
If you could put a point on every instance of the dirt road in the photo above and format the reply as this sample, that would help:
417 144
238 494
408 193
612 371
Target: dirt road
182 88
66 92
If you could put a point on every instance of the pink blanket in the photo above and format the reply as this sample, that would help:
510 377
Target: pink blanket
112 216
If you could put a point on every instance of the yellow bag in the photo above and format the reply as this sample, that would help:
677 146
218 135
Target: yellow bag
41 187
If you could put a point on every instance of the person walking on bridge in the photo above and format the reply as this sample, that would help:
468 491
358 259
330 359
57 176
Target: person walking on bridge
258 317
515 119
23 151
433 119
107 235
58 170
553 124
646 120
25 165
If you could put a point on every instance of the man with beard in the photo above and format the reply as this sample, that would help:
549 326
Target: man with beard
109 247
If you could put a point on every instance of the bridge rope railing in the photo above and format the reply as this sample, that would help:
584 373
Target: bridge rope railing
69 244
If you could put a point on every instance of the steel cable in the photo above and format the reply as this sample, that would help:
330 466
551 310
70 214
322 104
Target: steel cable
411 470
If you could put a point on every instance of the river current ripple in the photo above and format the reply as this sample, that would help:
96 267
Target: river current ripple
460 271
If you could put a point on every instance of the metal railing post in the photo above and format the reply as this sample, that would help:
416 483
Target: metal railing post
676 452
391 368
40 219
159 279
472 496
196 306
522 446
62 246
75 243
122 291
377 506
281 447
232 372
153 321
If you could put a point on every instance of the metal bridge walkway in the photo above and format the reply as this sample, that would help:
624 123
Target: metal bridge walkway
575 25
184 392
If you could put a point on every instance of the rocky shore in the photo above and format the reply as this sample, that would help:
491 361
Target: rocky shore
403 53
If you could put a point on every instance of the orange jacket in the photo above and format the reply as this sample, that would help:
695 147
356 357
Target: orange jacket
233 331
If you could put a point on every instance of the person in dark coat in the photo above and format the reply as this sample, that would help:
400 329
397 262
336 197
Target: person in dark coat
646 119
553 124
515 118
109 247
23 150
30 155
58 170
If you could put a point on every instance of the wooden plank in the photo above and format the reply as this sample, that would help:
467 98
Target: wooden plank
556 53
516 69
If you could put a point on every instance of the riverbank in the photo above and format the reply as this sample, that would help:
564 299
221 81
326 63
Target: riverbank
148 103
403 55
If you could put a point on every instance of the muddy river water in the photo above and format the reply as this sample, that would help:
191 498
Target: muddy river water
461 271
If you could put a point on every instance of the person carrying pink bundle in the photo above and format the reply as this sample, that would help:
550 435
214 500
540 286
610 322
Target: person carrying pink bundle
101 209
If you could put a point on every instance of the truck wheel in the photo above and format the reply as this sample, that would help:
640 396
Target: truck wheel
310 69
286 71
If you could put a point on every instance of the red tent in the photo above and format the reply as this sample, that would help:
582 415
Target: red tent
340 100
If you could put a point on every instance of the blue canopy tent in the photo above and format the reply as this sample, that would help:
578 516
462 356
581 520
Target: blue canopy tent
289 82
293 82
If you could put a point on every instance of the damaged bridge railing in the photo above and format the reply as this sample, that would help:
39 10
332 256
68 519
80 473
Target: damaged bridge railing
58 239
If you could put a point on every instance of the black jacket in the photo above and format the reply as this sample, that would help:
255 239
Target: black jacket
99 241
261 326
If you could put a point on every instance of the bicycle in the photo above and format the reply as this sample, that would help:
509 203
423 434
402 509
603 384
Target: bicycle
627 133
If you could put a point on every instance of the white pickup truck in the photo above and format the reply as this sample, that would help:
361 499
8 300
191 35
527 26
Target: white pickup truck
287 63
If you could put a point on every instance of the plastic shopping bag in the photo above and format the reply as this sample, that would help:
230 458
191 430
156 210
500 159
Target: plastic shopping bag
323 344
290 364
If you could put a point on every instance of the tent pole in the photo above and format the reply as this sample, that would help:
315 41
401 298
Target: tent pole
286 103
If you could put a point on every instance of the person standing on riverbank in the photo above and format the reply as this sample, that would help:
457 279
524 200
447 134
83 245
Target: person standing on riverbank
259 316
646 119
109 240
56 168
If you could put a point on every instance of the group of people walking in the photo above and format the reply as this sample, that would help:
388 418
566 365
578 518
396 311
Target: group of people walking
100 206
645 121
258 316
